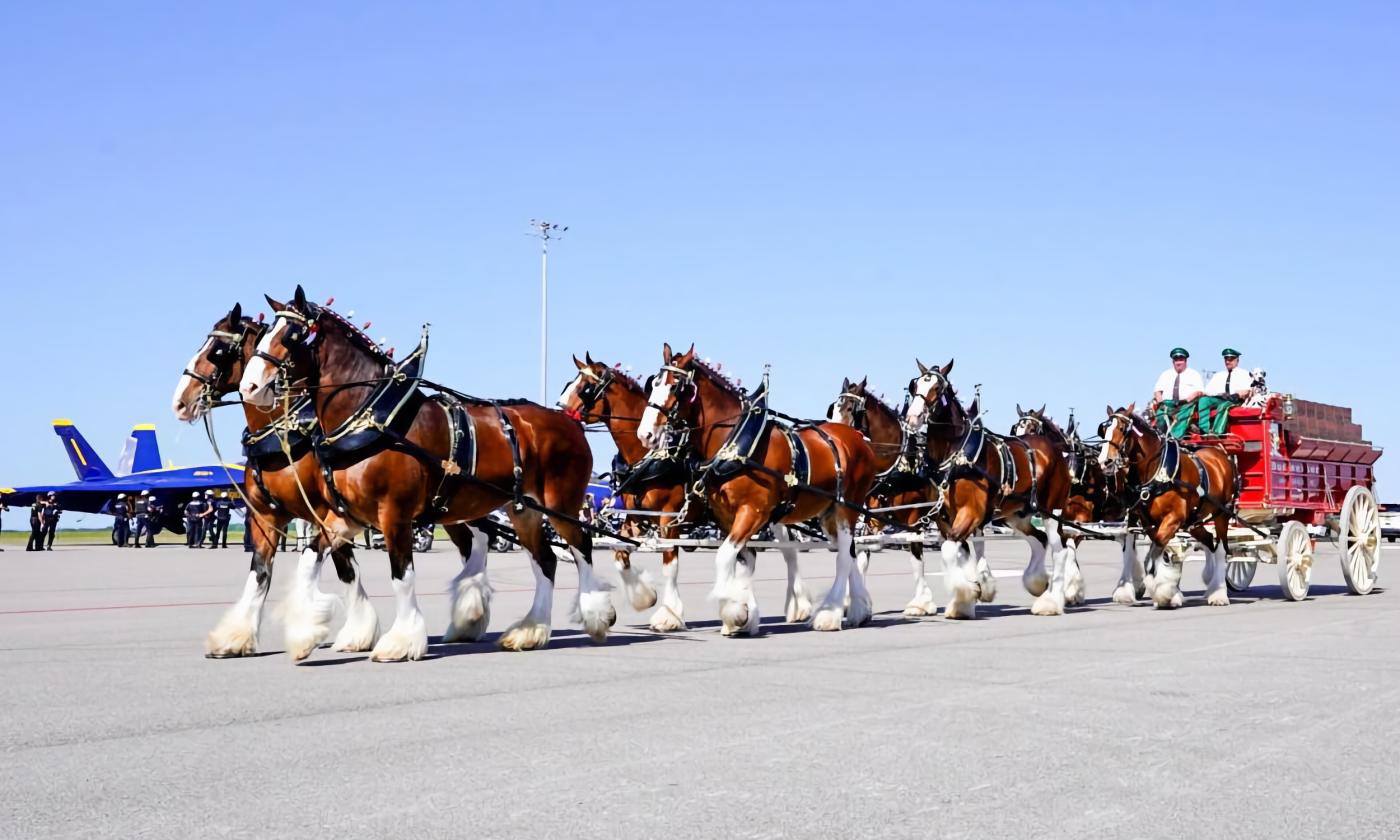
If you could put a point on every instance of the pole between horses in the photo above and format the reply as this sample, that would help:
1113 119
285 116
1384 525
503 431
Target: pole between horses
545 231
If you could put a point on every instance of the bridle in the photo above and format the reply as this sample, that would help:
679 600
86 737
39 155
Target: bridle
672 413
857 403
943 385
1120 451
223 352
591 391
1028 424
300 328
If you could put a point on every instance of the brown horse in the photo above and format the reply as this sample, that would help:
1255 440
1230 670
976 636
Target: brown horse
982 478
899 479
600 394
437 459
1178 489
751 481
270 486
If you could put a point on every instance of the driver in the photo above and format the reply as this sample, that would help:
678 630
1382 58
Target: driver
1227 388
1174 397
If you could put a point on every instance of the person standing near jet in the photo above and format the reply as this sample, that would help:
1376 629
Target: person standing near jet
141 509
223 511
36 525
3 507
120 524
153 512
194 521
51 514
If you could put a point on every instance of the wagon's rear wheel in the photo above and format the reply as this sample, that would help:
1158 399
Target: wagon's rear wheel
1239 573
1295 556
1359 539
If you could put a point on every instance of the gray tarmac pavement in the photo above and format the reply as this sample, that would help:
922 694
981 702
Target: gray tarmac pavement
1263 719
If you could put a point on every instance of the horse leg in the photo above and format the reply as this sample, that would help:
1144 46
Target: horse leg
1130 583
670 614
593 606
532 631
859 606
922 603
832 610
986 581
1166 580
1052 601
962 590
641 594
236 634
361 628
738 609
469 593
1213 575
1033 578
797 606
1074 576
308 611
408 636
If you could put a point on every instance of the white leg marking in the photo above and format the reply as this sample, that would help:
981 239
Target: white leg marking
1052 601
469 608
640 592
860 608
308 611
593 607
532 631
1034 578
962 592
923 602
1074 576
361 628
738 610
1216 593
830 615
670 614
986 581
1166 587
408 637
1130 584
236 634
797 606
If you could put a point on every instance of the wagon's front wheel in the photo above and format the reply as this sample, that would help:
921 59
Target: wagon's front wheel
1359 539
1239 573
1295 557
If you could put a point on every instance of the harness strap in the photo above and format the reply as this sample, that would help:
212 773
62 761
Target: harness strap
517 493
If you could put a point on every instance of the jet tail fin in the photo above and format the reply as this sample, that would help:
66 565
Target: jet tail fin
86 462
141 452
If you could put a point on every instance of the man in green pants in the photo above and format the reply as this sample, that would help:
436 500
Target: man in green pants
1226 389
1174 398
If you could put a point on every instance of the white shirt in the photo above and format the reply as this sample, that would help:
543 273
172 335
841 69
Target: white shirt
1190 382
1239 381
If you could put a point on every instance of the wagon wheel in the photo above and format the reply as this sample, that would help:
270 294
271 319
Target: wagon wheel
1295 556
1359 539
1239 572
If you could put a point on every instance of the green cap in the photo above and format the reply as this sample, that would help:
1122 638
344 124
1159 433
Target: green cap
1180 353
1230 353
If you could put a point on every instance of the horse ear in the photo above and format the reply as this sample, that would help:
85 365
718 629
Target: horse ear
666 353
947 369
299 299
923 368
1019 412
235 316
1132 406
276 307
587 357
845 384
1041 412
577 363
1108 409
863 381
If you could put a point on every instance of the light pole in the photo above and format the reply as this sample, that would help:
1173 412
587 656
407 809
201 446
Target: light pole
544 232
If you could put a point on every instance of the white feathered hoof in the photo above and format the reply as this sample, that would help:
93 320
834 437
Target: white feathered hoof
1047 604
1167 597
467 631
986 588
1218 598
963 604
1074 592
1125 594
798 609
1148 585
302 641
922 605
827 619
1036 584
232 637
859 613
664 620
594 610
308 623
640 592
734 617
525 635
402 643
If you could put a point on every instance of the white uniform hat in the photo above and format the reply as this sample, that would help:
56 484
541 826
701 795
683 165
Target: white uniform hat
121 495
145 492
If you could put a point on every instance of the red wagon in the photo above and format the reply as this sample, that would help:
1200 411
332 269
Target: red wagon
1306 470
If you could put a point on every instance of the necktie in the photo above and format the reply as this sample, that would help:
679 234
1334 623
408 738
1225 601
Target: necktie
1176 389
1228 375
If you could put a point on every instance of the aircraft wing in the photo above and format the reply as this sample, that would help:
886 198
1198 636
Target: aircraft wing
170 487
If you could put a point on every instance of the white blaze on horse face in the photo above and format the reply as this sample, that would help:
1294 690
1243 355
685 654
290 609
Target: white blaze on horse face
649 430
259 373
919 404
186 403
1108 441
570 392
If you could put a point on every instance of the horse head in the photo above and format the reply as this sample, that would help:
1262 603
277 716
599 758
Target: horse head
927 391
1122 434
589 391
849 407
671 396
286 343
216 368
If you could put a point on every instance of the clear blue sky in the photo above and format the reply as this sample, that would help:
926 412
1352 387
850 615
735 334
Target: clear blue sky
1054 193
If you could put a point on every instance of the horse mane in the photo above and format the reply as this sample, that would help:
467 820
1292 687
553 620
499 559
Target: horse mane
880 401
723 382
356 335
620 375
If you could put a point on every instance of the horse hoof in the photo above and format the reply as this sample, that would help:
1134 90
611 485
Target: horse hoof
525 635
1125 595
665 620
1046 605
1218 599
827 620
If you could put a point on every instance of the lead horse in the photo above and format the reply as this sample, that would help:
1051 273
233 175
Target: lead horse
655 480
1177 489
394 456
983 478
754 476
278 486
